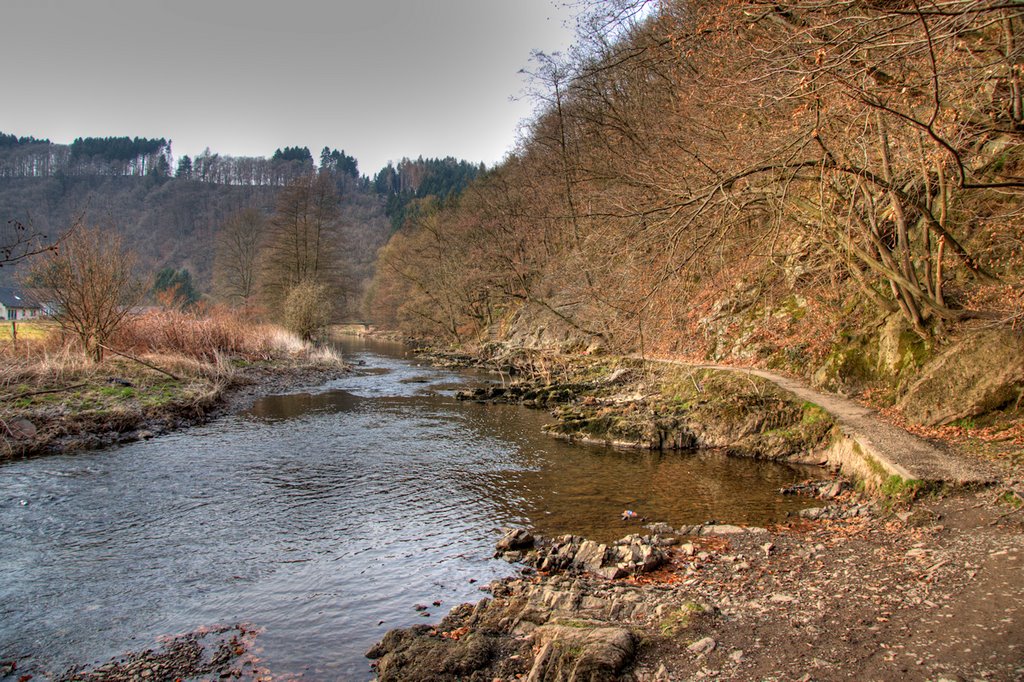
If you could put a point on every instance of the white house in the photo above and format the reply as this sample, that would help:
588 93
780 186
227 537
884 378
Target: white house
16 305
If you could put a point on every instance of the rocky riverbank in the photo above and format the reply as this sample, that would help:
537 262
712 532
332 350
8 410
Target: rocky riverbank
211 653
925 592
631 403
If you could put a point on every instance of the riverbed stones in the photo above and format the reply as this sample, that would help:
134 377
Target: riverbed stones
703 646
631 555
721 529
831 512
514 539
590 556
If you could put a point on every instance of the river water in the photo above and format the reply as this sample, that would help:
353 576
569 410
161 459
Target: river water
316 516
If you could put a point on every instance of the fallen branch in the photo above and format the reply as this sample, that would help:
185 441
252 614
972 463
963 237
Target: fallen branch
48 390
140 361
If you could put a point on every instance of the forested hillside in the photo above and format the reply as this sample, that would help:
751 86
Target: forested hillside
178 214
832 188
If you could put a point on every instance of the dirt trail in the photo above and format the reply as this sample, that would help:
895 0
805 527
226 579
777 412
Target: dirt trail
898 451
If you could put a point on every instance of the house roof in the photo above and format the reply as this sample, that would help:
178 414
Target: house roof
11 297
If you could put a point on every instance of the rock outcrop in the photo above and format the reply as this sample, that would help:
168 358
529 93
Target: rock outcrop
983 372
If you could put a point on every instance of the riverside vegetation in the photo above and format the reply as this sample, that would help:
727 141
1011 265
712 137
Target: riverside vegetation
171 368
829 191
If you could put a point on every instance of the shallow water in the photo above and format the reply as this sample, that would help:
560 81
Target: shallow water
317 515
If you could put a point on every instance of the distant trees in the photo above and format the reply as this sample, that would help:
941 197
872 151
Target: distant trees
440 178
174 288
92 283
184 170
298 155
302 244
7 140
236 265
122 155
335 161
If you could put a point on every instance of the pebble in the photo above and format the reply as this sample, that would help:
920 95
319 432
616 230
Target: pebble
703 646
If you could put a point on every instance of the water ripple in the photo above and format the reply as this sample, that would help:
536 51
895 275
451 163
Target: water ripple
316 516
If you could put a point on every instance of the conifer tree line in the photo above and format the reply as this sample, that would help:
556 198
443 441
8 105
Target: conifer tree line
684 151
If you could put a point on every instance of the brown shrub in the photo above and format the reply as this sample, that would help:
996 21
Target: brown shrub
200 334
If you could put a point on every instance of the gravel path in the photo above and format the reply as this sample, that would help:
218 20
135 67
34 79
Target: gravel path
899 452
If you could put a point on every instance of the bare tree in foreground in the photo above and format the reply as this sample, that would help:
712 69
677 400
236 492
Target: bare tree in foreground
90 280
19 241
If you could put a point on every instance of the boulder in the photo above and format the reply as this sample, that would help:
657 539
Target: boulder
703 646
980 373
590 556
722 529
21 429
583 655
513 539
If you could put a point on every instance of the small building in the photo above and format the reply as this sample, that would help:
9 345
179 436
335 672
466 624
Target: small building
16 305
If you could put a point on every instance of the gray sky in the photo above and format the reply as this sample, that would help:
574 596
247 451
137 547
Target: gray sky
381 79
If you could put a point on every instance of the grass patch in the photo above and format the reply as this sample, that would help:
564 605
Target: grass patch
1012 498
813 414
30 331
897 489
680 619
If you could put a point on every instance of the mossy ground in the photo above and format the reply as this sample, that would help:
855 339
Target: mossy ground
660 406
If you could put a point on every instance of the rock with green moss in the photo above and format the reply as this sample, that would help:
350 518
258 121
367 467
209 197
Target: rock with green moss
982 372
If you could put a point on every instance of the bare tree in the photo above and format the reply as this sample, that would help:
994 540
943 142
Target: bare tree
303 239
91 281
236 263
19 241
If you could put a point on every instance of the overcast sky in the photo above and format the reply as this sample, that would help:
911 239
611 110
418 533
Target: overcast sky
381 79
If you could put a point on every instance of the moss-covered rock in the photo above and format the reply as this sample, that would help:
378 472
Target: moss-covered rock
671 407
982 372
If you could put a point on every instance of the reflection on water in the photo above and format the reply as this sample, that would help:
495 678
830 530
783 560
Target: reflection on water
318 515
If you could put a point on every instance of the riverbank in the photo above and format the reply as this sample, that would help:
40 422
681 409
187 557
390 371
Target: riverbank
88 406
626 402
910 582
924 592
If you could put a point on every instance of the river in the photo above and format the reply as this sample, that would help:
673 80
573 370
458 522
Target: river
322 518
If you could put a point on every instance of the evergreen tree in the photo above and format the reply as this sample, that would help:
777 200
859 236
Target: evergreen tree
174 287
184 168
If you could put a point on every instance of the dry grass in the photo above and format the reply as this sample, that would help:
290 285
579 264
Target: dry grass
51 384
47 361
195 346
202 335
208 335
